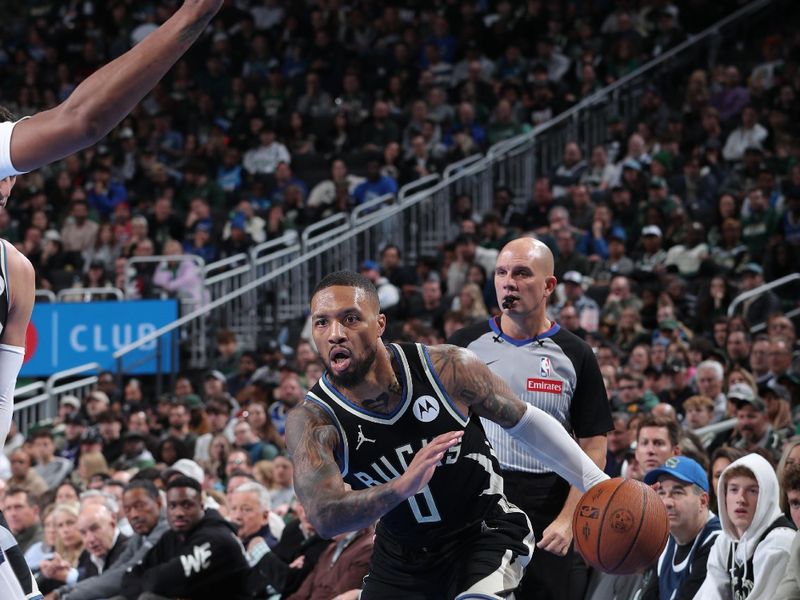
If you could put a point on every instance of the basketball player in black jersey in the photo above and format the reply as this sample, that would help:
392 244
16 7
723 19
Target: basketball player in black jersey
398 424
97 105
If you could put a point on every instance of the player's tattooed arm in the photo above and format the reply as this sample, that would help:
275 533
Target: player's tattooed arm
312 440
331 506
469 381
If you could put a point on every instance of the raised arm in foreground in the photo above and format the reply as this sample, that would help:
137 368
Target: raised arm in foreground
108 95
331 507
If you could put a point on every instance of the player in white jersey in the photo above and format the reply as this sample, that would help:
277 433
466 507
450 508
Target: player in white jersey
96 106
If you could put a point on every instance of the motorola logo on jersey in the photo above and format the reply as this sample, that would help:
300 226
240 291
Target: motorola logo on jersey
426 408
547 386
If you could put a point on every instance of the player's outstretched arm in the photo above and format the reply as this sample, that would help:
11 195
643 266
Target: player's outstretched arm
21 281
470 382
108 95
332 508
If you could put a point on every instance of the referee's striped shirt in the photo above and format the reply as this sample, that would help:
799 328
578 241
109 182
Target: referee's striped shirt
555 371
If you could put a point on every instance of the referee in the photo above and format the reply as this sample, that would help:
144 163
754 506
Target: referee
556 371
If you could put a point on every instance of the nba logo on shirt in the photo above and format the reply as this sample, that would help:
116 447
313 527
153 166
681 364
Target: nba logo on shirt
544 367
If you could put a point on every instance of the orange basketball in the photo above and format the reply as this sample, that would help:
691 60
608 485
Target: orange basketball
620 526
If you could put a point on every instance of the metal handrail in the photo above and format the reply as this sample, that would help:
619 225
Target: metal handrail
43 405
725 425
44 294
761 326
30 388
246 268
334 223
135 260
762 289
277 254
28 402
600 95
460 164
287 239
51 381
329 240
225 262
417 185
372 207
255 284
114 291
322 224
74 385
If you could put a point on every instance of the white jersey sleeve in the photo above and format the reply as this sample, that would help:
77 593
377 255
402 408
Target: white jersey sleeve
6 167
11 359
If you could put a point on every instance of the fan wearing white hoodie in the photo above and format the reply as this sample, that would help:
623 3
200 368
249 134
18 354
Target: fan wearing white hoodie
750 555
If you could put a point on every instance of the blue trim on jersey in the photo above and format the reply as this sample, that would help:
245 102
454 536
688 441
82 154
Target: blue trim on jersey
393 349
361 409
329 410
549 333
442 389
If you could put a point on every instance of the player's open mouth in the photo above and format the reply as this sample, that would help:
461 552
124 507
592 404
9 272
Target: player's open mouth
509 300
340 359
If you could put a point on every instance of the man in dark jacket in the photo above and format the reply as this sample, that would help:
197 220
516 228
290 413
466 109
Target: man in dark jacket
103 545
681 570
200 557
143 509
285 568
102 541
341 567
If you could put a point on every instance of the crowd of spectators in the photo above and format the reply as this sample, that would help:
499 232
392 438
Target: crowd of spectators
285 114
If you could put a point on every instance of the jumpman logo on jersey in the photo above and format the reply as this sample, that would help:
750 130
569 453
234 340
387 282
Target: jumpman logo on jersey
362 438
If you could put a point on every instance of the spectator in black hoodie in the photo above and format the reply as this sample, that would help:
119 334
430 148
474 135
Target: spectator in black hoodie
200 557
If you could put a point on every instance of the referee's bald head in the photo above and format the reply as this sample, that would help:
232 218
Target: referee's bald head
537 252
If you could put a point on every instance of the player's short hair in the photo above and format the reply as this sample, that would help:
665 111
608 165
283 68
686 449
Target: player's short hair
672 427
348 279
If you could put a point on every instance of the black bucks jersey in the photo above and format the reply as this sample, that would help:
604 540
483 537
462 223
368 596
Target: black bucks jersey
376 448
